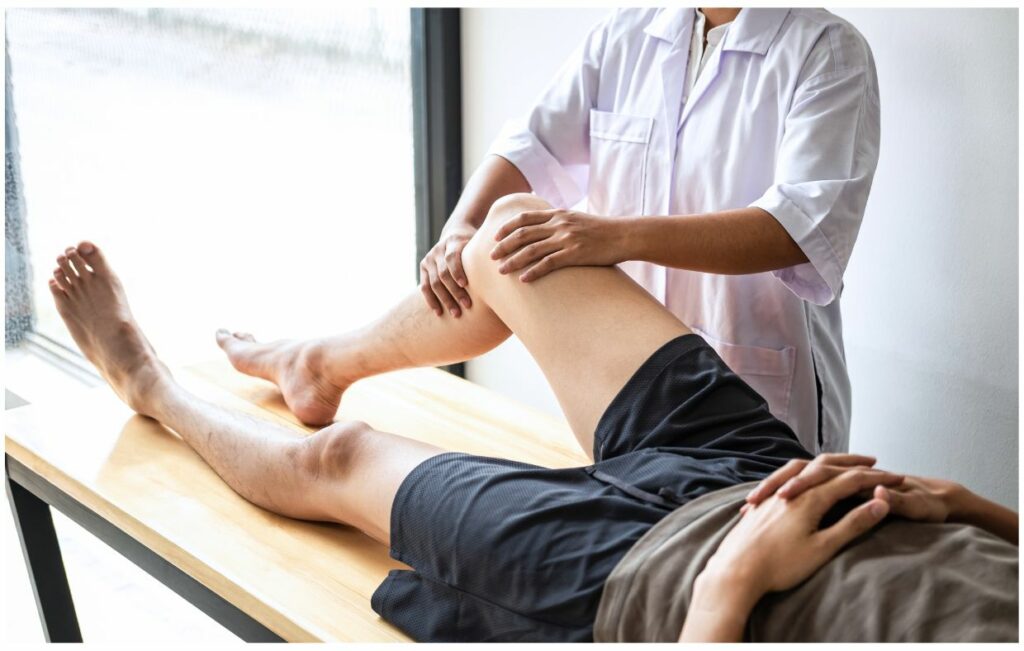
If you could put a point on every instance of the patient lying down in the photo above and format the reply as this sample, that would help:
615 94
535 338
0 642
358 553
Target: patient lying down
701 518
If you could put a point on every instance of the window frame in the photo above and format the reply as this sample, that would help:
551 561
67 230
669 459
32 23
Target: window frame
437 125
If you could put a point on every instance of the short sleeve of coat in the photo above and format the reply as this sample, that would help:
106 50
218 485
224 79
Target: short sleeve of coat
826 162
551 144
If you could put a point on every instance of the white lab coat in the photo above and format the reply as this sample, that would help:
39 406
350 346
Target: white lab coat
785 117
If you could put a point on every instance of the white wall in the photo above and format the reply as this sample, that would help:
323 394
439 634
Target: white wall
930 304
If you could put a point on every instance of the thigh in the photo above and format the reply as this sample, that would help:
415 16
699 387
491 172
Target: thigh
588 328
518 551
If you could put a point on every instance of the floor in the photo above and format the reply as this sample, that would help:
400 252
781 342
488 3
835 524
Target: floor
116 601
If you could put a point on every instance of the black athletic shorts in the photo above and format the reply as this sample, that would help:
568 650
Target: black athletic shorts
508 551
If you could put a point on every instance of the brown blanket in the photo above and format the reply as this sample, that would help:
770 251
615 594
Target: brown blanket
903 582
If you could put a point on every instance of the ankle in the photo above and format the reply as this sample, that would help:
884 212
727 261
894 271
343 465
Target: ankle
320 357
154 395
335 360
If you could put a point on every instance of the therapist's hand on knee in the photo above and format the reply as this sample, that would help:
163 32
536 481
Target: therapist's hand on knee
541 241
442 278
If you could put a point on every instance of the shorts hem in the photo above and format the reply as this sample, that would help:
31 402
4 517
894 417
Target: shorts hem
402 497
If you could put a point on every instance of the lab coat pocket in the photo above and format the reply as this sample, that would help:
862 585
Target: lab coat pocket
768 371
618 163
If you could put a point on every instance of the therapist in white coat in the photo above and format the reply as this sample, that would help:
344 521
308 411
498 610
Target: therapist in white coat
725 157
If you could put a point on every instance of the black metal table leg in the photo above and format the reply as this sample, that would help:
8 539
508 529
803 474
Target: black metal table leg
45 566
31 497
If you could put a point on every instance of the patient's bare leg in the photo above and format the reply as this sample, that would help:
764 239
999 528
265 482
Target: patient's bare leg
312 374
589 328
345 472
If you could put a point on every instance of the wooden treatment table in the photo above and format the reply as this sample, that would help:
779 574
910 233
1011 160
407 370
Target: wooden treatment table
143 491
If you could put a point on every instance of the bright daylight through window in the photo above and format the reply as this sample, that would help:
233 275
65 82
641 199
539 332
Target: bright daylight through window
247 169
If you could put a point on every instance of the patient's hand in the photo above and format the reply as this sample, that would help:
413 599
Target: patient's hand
939 500
800 474
921 498
915 498
776 545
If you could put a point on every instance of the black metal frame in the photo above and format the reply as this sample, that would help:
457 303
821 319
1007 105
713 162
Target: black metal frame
437 124
31 497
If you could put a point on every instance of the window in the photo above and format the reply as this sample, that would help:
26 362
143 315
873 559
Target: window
247 169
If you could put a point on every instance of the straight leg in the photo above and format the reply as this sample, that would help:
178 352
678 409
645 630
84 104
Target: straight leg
45 565
344 473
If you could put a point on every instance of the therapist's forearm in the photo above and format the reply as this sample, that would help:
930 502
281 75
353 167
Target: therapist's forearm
494 178
742 241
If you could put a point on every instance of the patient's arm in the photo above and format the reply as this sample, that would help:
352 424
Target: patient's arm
775 546
962 504
914 498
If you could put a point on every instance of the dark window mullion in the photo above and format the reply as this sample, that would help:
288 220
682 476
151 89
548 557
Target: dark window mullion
437 124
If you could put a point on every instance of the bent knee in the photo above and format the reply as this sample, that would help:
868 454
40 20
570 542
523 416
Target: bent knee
332 451
510 205
476 257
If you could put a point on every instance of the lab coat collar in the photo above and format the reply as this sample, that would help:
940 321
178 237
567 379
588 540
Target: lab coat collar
754 30
668 24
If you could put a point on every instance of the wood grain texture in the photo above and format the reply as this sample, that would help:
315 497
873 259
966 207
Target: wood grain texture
305 581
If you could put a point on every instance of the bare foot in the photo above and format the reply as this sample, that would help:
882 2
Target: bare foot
296 367
91 301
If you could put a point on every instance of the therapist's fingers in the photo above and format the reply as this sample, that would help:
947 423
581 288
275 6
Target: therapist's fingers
528 218
441 292
772 482
428 292
519 238
528 255
453 260
456 292
550 263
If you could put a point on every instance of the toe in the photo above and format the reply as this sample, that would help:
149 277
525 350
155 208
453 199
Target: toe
224 338
78 263
93 256
65 266
55 288
61 280
244 354
233 341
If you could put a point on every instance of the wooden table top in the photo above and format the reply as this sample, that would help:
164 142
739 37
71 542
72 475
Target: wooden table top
305 581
